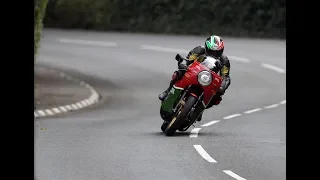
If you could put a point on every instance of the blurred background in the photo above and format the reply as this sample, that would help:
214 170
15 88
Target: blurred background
260 18
246 18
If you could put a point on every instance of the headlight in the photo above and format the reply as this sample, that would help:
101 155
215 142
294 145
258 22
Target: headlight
204 78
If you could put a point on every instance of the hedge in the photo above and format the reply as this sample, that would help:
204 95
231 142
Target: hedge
39 12
255 18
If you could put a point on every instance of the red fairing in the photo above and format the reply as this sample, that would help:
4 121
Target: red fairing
191 78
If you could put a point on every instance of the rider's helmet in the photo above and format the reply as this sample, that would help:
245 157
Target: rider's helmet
214 46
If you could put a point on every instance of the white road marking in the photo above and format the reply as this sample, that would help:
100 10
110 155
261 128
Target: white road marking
240 59
283 102
41 113
94 97
210 123
48 111
56 110
274 68
79 104
88 42
87 101
194 132
271 106
232 116
69 107
163 49
63 109
84 104
234 175
74 106
90 101
204 154
252 111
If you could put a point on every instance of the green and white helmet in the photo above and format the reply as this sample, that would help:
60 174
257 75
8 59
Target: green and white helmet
214 46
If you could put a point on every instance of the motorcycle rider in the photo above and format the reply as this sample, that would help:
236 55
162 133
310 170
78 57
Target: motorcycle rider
214 47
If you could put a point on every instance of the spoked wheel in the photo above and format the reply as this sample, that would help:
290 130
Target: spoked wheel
179 119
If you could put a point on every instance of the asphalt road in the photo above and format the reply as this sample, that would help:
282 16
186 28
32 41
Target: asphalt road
121 138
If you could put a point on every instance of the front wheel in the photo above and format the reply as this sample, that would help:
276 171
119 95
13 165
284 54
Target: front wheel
164 126
178 120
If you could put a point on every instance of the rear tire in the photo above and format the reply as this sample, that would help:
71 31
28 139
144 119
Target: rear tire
178 121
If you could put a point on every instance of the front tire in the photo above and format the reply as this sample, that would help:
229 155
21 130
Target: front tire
164 126
178 120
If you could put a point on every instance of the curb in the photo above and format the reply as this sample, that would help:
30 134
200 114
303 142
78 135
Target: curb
92 99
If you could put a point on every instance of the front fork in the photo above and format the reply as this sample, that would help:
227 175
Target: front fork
194 114
197 109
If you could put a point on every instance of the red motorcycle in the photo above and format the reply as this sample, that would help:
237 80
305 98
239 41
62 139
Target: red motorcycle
189 97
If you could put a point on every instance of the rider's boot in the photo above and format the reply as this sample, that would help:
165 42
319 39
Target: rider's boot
165 93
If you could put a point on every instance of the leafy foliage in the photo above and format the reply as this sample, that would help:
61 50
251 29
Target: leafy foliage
39 12
255 18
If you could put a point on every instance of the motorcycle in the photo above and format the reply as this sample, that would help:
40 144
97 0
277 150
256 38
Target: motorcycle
189 97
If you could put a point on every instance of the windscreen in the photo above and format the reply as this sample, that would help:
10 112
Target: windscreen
210 63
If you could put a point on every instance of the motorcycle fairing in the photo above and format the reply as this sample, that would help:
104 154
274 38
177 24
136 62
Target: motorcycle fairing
190 78
173 95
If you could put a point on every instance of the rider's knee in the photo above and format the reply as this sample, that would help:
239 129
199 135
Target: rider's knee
217 102
179 74
214 101
174 75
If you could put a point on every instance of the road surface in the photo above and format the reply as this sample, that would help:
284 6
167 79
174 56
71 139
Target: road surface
242 138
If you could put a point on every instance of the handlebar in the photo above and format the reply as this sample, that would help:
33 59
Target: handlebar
179 58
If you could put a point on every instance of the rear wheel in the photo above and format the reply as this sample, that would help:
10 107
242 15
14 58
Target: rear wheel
178 120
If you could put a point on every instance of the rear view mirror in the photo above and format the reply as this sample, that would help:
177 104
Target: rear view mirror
179 58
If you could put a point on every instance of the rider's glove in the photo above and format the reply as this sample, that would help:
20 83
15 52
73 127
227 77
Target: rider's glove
193 56
224 85
219 65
